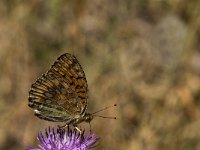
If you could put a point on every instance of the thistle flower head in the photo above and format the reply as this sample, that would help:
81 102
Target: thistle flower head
65 140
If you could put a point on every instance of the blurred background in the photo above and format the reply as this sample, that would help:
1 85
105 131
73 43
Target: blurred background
143 55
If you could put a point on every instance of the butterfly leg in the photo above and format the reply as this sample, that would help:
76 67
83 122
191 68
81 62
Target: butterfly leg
90 127
63 126
67 123
78 129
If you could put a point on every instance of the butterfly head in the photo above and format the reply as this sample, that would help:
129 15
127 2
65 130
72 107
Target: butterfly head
88 117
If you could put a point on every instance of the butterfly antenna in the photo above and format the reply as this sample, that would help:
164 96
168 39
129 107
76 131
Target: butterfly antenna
103 110
105 117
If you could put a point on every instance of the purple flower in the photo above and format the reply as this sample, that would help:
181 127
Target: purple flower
65 140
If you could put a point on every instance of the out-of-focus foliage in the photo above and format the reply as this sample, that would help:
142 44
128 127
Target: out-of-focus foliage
143 55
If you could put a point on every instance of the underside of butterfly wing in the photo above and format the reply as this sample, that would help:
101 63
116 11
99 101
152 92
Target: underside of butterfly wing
61 93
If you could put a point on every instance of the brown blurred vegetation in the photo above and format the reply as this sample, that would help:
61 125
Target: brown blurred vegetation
143 55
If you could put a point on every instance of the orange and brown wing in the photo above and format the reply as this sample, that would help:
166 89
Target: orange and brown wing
61 93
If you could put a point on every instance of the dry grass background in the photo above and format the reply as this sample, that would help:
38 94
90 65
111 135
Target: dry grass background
143 55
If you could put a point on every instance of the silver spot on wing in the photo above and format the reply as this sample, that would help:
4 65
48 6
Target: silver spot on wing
48 101
36 111
48 95
61 102
63 91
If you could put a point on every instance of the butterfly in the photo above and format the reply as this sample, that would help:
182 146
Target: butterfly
61 94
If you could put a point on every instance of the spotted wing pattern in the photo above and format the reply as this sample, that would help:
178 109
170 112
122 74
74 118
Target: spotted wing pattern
61 93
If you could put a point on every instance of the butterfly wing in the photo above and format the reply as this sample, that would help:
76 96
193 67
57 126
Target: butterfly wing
61 93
